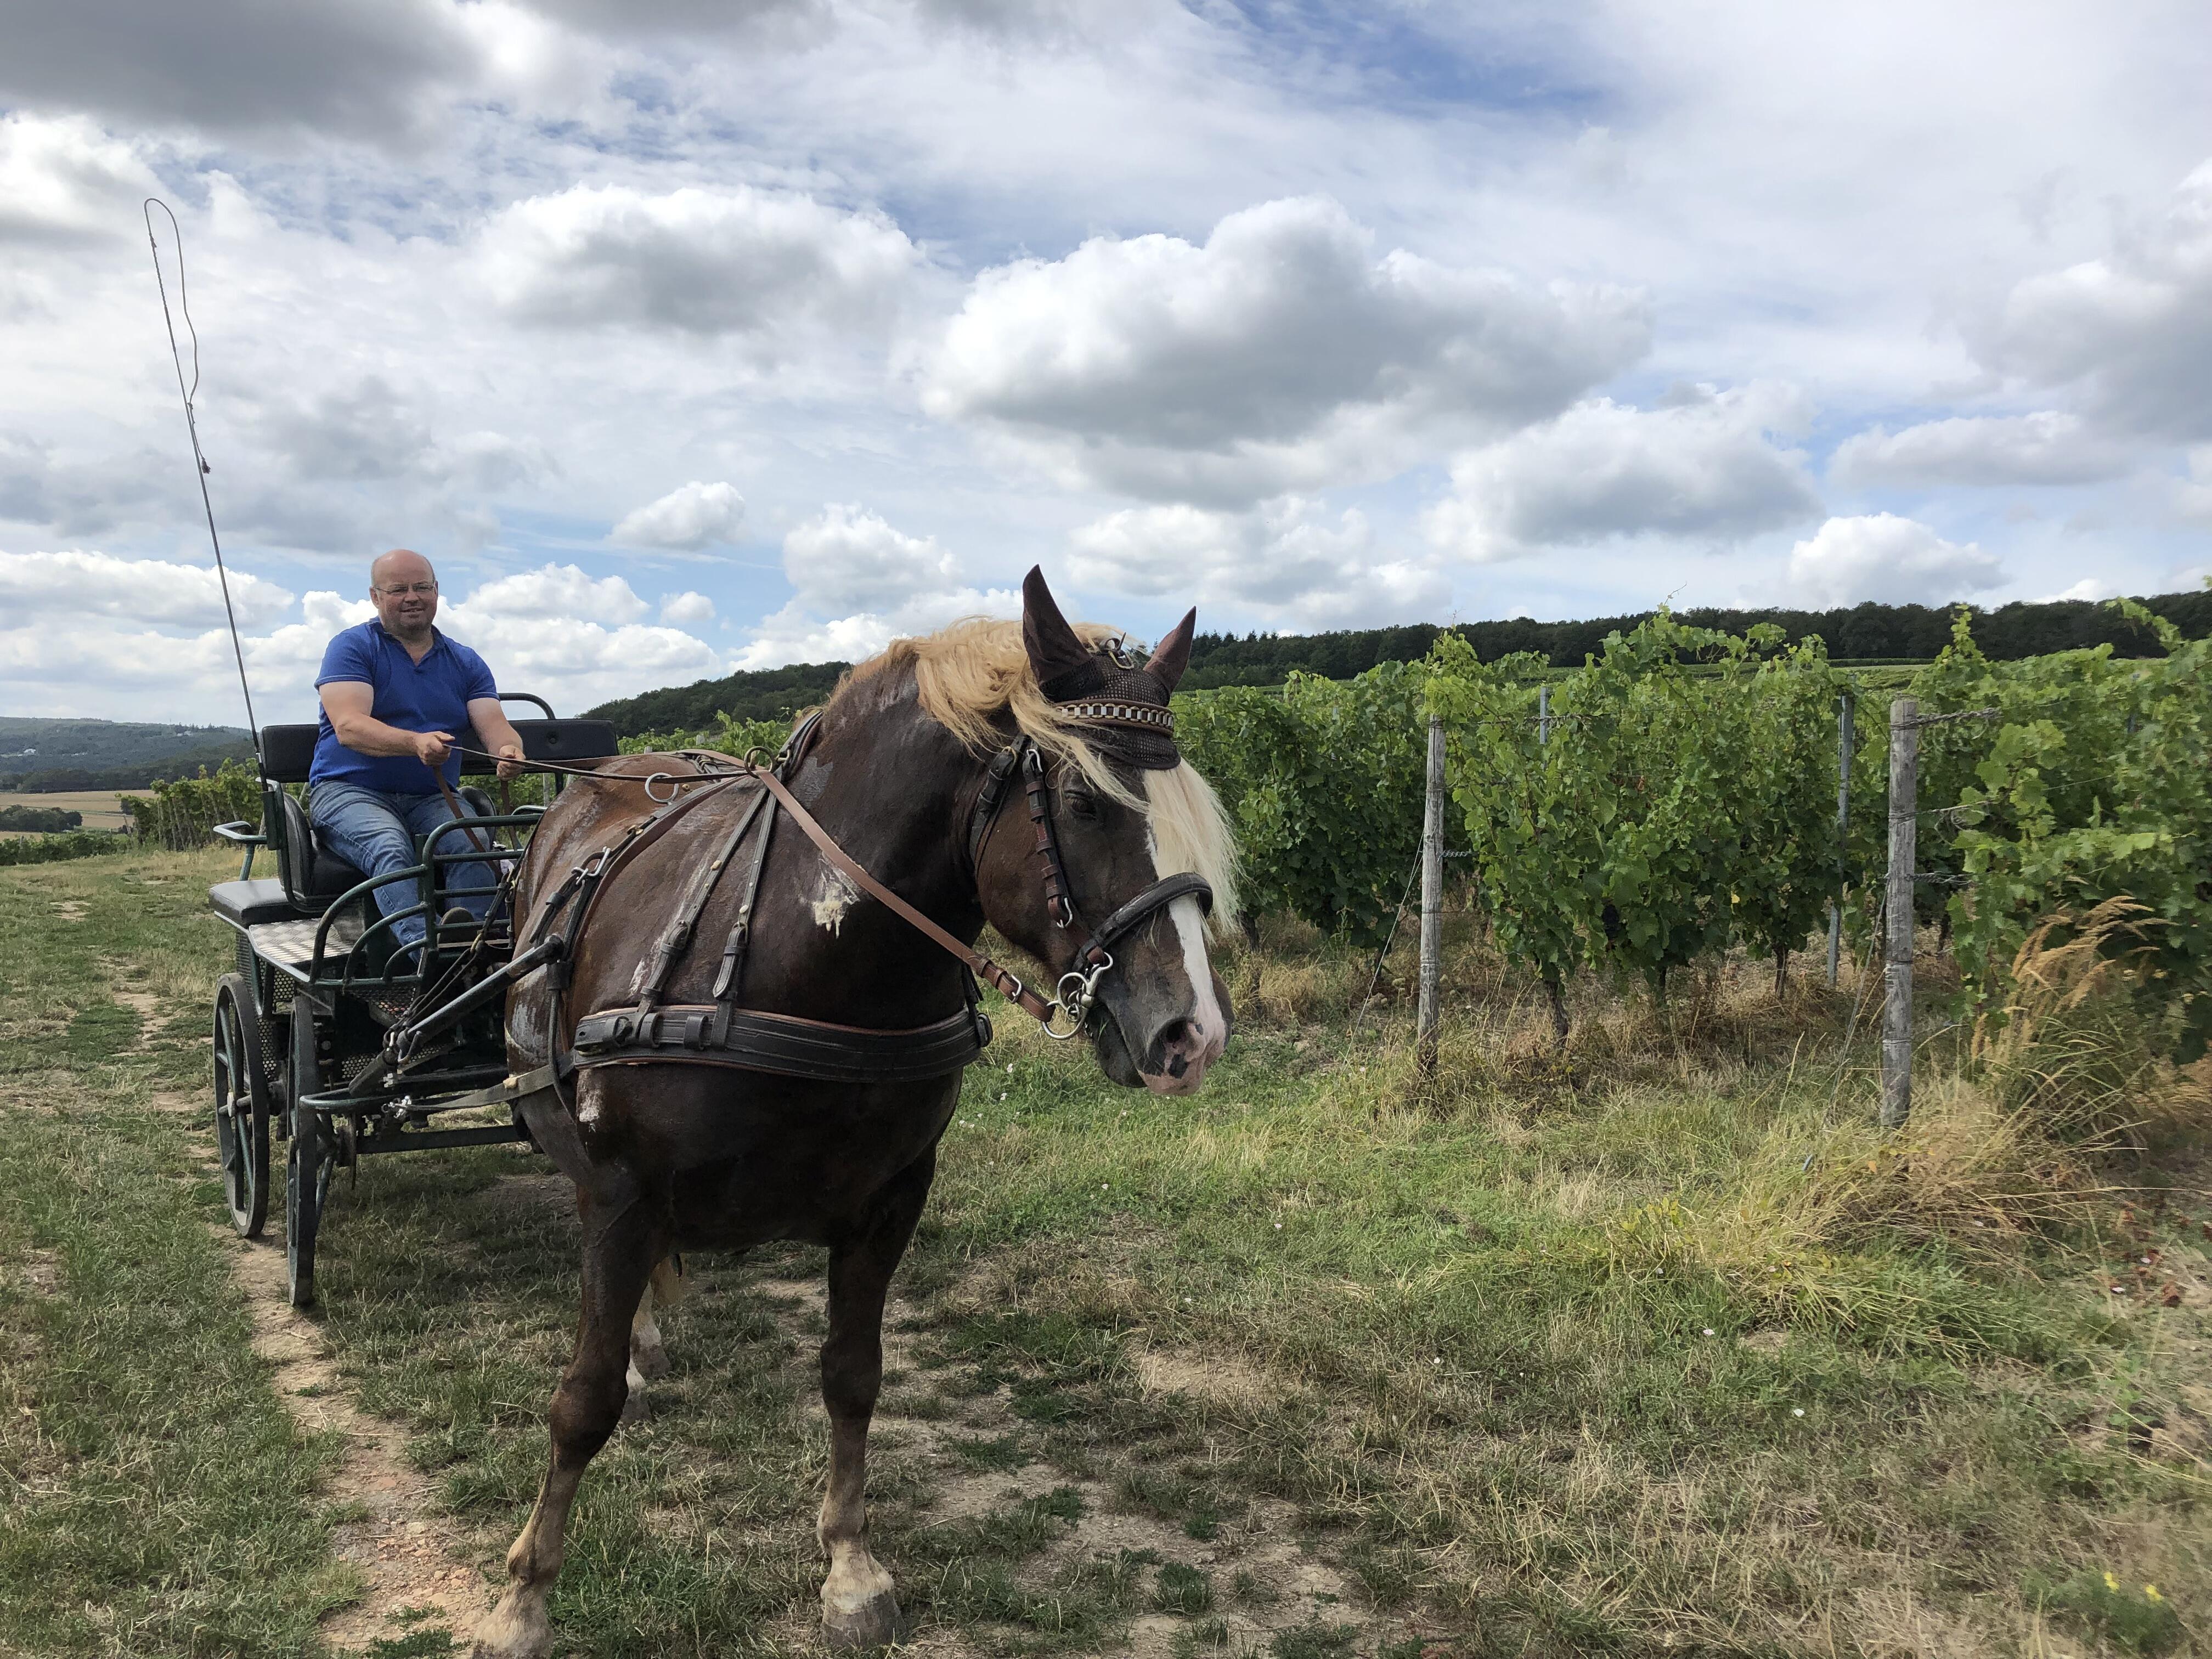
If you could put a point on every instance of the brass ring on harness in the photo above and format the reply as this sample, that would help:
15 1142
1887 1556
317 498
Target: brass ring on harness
661 801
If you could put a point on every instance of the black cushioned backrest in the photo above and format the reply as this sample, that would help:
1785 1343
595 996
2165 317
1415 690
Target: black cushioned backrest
311 870
287 752
295 854
561 742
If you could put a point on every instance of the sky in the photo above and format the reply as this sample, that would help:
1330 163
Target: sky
689 336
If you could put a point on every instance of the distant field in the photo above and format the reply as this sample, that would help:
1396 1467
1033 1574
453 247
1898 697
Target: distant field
100 806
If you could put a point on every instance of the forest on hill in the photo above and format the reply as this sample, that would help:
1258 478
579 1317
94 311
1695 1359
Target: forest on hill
47 757
1861 633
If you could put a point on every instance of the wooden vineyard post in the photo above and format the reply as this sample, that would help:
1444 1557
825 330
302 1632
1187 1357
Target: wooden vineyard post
1843 831
1543 717
1432 900
1897 915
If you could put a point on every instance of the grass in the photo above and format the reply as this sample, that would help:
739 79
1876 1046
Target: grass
1655 1346
154 1497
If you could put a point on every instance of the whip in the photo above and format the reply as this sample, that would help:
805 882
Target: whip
192 428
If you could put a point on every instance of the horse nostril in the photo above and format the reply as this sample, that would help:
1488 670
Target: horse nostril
1179 1042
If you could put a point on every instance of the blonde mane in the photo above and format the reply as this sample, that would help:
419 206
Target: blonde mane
967 675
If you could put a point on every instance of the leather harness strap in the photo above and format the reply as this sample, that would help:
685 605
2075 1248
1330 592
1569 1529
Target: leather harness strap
1059 903
979 964
720 1033
453 805
677 938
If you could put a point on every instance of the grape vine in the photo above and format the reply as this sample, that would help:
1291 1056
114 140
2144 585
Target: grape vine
1683 801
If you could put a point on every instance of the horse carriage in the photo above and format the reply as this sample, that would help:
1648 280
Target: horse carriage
331 1037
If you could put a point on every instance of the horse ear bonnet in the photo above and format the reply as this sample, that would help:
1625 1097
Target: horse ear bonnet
1122 706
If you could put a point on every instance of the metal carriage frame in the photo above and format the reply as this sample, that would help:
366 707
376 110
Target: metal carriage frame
326 1036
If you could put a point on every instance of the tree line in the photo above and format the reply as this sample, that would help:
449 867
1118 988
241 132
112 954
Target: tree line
1856 633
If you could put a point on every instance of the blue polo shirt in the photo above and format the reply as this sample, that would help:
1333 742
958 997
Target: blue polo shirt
430 695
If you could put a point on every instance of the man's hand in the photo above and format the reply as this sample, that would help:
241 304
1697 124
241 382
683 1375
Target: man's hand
510 760
431 748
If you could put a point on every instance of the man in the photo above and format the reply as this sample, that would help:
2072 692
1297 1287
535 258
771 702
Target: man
395 691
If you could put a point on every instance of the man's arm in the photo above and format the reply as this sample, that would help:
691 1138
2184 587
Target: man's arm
348 702
495 728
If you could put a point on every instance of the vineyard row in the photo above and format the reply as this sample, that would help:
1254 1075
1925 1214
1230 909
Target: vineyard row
1676 797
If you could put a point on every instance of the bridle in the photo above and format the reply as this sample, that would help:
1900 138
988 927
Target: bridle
1078 991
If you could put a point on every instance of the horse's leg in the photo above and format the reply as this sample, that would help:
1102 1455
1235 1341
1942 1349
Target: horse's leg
859 1609
648 1358
622 1241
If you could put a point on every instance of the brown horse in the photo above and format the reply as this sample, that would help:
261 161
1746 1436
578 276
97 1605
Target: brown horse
684 1155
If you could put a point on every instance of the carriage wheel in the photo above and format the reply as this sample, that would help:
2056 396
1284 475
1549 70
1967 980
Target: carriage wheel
308 1162
241 1106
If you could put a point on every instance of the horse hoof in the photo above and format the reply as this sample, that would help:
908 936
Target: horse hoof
651 1362
634 1410
860 1621
513 1630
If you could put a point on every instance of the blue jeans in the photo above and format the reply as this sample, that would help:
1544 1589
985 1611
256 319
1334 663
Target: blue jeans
377 834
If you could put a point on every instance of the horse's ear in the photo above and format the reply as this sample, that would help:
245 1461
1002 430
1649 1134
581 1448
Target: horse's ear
1172 655
1057 656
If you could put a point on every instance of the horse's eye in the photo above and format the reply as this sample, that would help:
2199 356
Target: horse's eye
1082 805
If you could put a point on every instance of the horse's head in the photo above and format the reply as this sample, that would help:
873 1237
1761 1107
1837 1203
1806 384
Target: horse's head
1100 817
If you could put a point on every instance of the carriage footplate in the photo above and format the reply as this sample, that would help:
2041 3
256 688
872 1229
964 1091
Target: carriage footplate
291 944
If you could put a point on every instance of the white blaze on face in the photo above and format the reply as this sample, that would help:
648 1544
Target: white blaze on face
1190 928
1205 1012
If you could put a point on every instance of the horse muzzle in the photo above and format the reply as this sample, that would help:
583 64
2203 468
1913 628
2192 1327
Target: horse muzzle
1179 1056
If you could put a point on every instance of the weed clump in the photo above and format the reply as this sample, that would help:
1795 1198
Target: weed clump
2074 1050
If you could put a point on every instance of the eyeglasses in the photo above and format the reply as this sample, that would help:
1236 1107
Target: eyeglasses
424 588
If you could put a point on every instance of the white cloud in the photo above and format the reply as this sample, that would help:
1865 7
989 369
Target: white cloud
780 21
791 634
1703 466
844 558
2089 587
862 582
1280 353
112 664
366 68
2131 332
1286 559
575 664
64 181
2192 495
679 608
1890 560
37 590
696 516
1799 195
551 592
2050 447
734 261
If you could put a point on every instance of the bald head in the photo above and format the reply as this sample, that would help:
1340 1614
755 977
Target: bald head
401 564
404 590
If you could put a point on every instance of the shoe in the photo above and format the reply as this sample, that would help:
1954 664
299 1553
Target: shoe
459 916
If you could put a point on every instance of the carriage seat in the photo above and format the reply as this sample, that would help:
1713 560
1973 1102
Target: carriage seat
311 873
250 903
